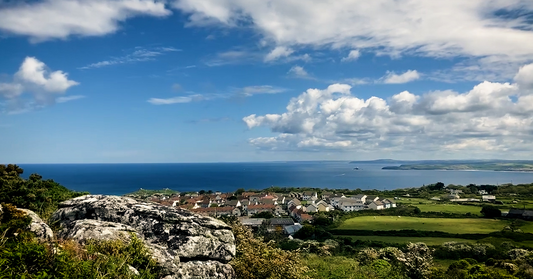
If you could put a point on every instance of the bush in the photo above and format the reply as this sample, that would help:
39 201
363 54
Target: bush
490 211
257 260
68 259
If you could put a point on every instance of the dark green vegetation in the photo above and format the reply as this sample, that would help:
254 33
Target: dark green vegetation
144 194
466 165
36 194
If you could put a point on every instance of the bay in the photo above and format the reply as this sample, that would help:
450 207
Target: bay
119 179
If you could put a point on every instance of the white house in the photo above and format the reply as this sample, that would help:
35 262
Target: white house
350 205
488 198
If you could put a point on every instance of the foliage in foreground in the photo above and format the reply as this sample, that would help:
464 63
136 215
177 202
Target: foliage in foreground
34 193
256 259
339 267
22 256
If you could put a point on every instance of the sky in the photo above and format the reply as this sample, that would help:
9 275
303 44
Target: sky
150 81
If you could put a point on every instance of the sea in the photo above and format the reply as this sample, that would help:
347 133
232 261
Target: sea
120 179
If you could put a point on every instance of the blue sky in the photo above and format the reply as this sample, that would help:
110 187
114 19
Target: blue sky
103 81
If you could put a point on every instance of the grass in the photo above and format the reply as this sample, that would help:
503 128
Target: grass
449 225
430 241
450 208
429 205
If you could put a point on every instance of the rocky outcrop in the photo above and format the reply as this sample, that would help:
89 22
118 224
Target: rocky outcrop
41 230
38 226
185 244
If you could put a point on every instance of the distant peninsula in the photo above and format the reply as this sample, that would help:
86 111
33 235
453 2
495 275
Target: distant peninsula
467 165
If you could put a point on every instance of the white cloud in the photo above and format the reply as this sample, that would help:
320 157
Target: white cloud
524 77
352 56
69 98
278 52
170 101
492 118
393 78
60 19
140 54
298 71
440 29
261 89
35 78
235 56
247 91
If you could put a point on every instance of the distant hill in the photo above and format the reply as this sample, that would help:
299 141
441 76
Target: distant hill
494 165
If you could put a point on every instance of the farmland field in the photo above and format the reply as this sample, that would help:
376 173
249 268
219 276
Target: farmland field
402 240
449 225
428 205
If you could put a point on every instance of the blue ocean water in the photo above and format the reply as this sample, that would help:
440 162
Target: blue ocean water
119 179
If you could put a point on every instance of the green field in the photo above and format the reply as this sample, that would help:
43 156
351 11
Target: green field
432 206
449 225
402 240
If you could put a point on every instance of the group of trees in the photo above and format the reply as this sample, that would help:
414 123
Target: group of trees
34 193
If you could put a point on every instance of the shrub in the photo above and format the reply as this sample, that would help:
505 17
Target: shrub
257 260
69 259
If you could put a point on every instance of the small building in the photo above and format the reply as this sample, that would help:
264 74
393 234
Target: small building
488 198
294 201
309 195
376 205
370 199
254 209
520 214
277 224
290 230
312 208
253 223
306 217
321 207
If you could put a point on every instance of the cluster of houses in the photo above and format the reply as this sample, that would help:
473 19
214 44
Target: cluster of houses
298 205
289 210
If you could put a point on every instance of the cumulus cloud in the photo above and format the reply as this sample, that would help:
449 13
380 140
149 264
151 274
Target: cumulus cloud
45 86
491 118
524 77
278 52
353 55
477 29
393 78
60 19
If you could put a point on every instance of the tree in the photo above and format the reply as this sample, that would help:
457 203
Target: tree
41 196
436 187
239 191
490 211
